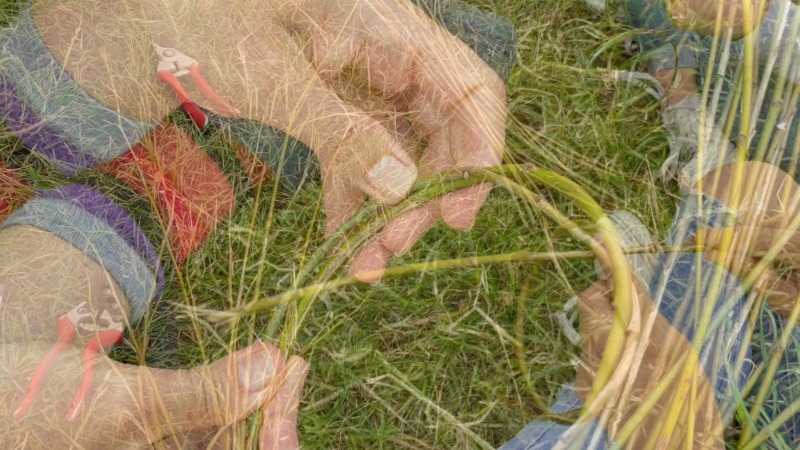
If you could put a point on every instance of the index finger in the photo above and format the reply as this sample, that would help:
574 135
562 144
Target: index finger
753 242
456 94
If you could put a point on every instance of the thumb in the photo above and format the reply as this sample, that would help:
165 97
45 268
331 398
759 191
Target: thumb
752 241
209 396
279 429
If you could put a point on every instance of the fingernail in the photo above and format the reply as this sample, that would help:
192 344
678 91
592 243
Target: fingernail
389 179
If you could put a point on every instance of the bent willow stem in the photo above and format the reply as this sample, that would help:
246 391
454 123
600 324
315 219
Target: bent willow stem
518 180
513 178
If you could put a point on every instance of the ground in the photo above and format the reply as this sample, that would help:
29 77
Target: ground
448 359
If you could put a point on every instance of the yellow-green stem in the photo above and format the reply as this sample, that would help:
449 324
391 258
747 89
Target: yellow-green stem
684 387
772 368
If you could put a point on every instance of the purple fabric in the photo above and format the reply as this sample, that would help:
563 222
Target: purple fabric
37 136
117 218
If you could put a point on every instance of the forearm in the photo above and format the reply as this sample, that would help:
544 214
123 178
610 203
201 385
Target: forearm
44 425
107 51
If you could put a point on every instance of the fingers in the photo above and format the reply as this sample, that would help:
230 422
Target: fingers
210 396
280 411
456 101
388 180
357 154
395 239
772 192
398 49
753 242
452 83
403 232
132 404
459 92
458 209
279 428
749 246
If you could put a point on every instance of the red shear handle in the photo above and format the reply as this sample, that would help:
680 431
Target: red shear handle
208 91
66 333
195 113
102 341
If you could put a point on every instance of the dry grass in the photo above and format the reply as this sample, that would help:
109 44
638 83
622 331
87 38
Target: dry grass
447 359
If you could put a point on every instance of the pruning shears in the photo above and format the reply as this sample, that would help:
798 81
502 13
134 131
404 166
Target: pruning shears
103 323
174 65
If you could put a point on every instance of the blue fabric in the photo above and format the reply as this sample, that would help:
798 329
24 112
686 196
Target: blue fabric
285 155
683 287
686 290
108 235
663 44
567 400
81 133
491 36
544 435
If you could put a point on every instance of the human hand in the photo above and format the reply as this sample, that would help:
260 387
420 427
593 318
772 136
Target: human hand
435 86
44 278
768 207
660 351
277 62
134 406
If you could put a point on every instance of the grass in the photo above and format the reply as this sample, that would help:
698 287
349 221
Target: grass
435 359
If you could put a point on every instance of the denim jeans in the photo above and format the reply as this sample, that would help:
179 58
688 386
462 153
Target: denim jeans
664 46
682 288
